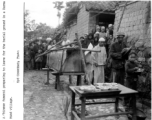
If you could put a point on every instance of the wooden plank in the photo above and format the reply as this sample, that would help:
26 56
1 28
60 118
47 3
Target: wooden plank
124 90
105 115
82 108
62 61
72 104
104 92
116 104
134 107
58 81
109 13
72 73
67 73
47 76
83 60
55 83
95 103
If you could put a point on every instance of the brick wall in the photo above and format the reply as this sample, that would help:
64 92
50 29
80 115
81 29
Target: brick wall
82 25
136 24
83 22
71 32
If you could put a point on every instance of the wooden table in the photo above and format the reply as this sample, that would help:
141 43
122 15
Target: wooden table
58 74
83 96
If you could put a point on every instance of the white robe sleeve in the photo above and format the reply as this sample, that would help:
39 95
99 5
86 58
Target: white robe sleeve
94 56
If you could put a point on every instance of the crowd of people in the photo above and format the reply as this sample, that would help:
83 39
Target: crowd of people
114 54
122 69
31 50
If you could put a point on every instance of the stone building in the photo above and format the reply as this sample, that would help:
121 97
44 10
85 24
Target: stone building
134 18
83 17
136 24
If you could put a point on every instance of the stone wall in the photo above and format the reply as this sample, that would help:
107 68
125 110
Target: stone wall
81 26
136 24
71 32
82 22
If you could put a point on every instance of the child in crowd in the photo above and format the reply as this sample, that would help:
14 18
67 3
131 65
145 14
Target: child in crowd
39 60
131 68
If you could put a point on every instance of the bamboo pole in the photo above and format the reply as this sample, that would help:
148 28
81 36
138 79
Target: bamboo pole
84 49
121 16
83 60
50 50
61 48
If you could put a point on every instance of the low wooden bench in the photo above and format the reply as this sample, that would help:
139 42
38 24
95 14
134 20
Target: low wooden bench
58 74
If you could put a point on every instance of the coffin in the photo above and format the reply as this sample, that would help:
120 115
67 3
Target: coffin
66 61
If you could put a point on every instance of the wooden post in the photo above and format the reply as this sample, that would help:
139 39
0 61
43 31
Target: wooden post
116 104
121 16
58 81
78 80
83 59
72 105
48 76
134 107
62 60
82 108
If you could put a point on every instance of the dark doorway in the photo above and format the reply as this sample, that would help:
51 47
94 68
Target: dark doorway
104 19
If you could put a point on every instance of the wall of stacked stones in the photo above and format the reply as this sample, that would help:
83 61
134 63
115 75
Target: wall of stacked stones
71 32
82 22
82 25
136 24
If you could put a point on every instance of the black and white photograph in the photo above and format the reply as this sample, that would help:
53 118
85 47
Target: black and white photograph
78 60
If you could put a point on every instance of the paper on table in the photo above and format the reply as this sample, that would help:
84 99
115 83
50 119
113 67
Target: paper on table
89 47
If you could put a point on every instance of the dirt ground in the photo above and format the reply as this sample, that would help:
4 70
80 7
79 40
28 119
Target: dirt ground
42 102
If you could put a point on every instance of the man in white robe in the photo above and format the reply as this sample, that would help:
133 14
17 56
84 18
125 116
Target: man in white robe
99 60
89 64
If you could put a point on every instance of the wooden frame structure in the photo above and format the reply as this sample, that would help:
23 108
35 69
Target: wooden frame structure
91 95
60 72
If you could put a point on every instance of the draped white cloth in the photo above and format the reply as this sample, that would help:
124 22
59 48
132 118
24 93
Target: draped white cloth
99 58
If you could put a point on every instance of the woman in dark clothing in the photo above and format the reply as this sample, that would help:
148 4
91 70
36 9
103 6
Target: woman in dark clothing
96 40
90 39
84 42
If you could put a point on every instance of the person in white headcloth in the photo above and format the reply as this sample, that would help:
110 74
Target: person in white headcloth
99 60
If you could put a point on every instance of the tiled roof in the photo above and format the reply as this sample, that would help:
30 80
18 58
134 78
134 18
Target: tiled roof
107 6
100 5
